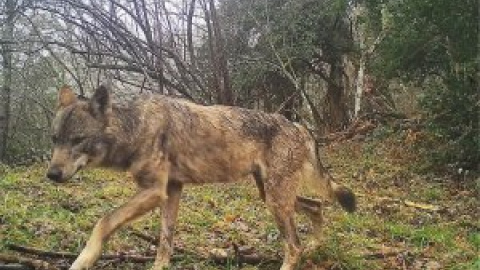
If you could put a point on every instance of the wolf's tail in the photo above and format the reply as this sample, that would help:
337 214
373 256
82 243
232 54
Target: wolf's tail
313 207
344 196
340 193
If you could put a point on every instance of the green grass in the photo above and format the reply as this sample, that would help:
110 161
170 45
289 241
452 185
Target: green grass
433 194
40 214
423 237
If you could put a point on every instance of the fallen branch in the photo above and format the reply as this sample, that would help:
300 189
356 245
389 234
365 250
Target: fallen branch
154 241
151 240
381 255
358 127
72 256
14 267
22 263
252 259
239 256
383 252
216 258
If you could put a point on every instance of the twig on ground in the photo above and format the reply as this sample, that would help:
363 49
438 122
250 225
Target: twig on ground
381 255
145 237
72 256
358 127
238 257
216 258
15 266
22 263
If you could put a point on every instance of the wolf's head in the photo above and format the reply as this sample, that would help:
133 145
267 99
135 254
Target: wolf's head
78 132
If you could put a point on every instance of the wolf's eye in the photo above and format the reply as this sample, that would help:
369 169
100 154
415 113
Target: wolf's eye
78 140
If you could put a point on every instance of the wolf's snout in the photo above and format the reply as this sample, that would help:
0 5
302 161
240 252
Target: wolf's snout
55 174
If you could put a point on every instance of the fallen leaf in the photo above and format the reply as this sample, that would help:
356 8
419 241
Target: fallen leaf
229 218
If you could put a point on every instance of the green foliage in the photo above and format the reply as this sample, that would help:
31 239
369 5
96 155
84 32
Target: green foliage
427 37
452 112
432 43
474 239
33 103
264 35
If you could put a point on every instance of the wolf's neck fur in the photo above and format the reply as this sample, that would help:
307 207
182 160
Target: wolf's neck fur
124 128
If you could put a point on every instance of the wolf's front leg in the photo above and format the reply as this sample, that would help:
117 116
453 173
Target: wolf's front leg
169 217
140 204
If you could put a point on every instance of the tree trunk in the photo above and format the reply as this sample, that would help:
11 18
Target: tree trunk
215 80
7 77
360 86
159 38
221 77
191 51
335 112
359 28
222 64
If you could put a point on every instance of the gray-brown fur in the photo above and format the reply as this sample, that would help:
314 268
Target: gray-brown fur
167 142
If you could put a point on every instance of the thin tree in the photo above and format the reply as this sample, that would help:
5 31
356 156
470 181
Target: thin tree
7 38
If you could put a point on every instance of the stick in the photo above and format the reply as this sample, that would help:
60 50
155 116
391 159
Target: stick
152 240
381 255
22 263
251 259
14 267
72 256
239 257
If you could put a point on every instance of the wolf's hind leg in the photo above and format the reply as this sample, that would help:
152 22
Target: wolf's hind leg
169 216
140 204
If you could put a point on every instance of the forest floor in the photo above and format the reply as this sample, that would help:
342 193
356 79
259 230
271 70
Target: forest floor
405 219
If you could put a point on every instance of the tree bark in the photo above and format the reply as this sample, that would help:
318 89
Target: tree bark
360 86
191 51
215 80
222 63
159 38
220 74
359 27
7 77
335 111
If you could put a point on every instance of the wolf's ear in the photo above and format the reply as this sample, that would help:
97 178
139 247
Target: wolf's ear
100 103
66 96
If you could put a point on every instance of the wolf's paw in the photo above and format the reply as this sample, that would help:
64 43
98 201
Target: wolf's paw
161 263
77 268
81 263
160 267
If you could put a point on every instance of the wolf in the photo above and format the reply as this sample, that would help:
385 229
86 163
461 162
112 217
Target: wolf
166 142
